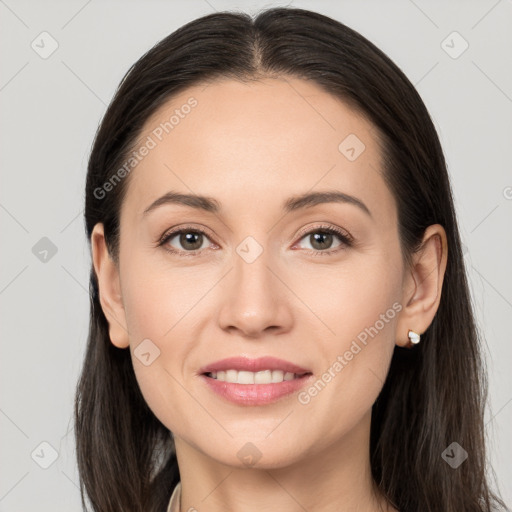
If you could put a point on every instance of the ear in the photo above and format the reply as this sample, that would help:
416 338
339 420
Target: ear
422 284
110 296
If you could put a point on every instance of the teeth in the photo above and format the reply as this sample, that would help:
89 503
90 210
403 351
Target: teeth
244 377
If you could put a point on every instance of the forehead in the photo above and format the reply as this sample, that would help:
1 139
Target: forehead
256 143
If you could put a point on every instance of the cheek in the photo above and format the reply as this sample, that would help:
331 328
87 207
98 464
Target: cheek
160 306
157 299
359 307
157 318
349 297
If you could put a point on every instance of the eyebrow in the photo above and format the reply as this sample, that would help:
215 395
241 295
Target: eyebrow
307 200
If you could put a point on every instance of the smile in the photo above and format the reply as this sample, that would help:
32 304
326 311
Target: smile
255 388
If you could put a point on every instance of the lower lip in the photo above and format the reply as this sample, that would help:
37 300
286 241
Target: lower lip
255 394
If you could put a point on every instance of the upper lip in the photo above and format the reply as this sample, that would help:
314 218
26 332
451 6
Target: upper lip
253 365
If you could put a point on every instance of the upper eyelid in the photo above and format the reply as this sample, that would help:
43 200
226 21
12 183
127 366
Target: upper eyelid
325 227
176 231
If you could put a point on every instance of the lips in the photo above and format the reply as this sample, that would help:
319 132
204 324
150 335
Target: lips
253 365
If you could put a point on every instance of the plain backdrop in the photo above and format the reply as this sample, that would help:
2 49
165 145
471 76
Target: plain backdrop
51 104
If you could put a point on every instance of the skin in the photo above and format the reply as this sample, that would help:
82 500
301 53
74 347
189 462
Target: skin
251 146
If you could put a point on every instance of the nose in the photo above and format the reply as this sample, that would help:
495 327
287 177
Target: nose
255 300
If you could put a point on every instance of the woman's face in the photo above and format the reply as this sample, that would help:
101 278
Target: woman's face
263 280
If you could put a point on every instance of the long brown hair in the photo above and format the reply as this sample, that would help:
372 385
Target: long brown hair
434 394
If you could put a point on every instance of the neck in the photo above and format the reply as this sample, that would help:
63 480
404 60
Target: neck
336 478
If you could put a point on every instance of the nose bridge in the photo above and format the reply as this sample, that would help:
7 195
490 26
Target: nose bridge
255 301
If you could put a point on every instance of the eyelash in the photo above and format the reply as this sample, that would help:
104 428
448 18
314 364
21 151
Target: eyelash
343 237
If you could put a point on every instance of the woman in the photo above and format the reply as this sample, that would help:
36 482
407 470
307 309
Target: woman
280 317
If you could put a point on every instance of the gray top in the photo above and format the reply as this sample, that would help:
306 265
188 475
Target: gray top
174 502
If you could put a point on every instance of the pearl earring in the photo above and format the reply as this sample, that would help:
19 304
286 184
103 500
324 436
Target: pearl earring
414 337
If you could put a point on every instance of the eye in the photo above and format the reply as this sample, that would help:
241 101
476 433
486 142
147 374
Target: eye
322 238
184 240
188 241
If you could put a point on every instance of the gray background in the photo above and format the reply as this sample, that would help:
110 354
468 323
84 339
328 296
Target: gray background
50 108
